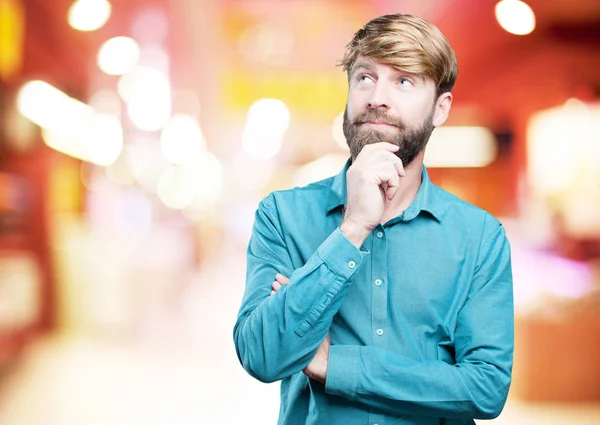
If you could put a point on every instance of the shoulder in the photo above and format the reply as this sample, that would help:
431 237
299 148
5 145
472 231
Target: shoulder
315 193
457 211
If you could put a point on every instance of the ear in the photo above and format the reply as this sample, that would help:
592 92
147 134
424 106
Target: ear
442 108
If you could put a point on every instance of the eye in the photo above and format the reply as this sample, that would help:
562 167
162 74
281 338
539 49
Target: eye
364 78
405 81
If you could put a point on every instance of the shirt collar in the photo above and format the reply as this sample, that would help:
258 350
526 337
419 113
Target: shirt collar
427 198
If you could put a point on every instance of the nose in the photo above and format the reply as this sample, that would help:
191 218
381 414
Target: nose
378 98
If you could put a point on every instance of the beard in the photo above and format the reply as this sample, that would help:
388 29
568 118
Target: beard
411 141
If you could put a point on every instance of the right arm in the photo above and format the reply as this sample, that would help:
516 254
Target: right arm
277 336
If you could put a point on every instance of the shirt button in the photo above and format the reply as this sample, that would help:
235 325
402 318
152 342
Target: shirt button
379 332
378 282
379 235
351 264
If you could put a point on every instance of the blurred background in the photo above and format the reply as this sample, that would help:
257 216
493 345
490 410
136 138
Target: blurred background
138 136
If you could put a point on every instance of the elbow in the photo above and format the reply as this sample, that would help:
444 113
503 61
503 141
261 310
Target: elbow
260 372
488 413
492 406
254 362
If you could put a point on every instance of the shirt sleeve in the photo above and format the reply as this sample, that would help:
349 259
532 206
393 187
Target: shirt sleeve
475 387
277 336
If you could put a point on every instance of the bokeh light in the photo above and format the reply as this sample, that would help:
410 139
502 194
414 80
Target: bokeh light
147 93
461 147
89 15
49 107
104 139
267 122
118 55
200 180
181 139
515 16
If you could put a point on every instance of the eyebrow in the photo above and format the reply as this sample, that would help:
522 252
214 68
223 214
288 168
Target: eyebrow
361 65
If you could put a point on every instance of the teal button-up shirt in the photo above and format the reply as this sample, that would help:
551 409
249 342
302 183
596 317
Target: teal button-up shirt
420 318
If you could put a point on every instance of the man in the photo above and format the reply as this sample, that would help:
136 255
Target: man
398 308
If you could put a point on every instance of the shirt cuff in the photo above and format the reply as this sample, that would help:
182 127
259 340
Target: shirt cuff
342 371
341 255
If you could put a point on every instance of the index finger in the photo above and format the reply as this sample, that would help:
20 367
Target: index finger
281 279
397 163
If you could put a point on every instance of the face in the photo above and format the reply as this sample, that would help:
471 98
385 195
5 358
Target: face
389 105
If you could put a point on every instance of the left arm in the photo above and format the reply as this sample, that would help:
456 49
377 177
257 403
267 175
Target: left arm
475 387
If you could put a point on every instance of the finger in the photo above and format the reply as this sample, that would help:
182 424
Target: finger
282 279
276 286
397 163
273 292
393 184
389 180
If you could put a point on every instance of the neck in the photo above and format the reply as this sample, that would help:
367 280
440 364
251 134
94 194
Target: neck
407 190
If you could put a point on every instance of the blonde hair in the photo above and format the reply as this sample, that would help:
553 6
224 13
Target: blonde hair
408 43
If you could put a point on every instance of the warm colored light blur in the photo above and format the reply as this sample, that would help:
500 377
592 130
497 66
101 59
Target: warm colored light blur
461 147
150 26
337 131
147 93
89 15
562 139
563 164
210 185
250 174
120 171
12 37
118 55
322 168
199 181
181 139
155 57
146 162
49 107
98 140
106 102
267 122
104 139
70 126
515 16
269 44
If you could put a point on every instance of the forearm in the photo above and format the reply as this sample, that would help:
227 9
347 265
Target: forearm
401 386
277 336
475 386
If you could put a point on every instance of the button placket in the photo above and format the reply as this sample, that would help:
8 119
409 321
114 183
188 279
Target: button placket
378 290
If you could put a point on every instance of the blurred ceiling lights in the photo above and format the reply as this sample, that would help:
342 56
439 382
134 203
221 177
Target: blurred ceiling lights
267 122
118 55
70 126
89 15
515 16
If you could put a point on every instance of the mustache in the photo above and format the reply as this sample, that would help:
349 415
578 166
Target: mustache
378 115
